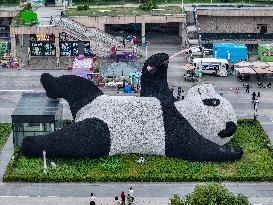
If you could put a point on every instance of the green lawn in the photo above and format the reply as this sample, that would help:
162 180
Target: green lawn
115 11
5 129
256 165
122 2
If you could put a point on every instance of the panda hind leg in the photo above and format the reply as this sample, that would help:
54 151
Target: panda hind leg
88 138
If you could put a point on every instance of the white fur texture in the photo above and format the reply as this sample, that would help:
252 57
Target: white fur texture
208 121
135 123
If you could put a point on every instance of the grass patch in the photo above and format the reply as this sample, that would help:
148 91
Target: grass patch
115 11
256 165
5 129
122 2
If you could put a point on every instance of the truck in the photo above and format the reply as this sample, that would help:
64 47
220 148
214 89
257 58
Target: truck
233 52
211 66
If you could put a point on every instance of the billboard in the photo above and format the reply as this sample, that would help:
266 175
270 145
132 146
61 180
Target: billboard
265 52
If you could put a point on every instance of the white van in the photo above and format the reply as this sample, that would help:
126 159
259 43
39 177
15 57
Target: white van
211 66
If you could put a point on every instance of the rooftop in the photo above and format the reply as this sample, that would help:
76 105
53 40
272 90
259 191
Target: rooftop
36 104
130 11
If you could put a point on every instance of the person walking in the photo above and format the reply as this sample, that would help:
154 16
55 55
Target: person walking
221 92
182 94
92 202
247 88
258 97
122 196
253 97
117 202
130 195
124 42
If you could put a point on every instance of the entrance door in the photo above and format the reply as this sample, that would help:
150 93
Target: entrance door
50 2
262 28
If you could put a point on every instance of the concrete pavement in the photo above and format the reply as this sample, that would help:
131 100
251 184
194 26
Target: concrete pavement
145 193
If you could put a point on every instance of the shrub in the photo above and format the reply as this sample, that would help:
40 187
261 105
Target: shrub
96 70
148 6
5 129
210 194
177 200
83 7
67 122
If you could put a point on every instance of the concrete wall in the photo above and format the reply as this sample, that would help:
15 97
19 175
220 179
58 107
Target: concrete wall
100 21
236 12
236 24
7 13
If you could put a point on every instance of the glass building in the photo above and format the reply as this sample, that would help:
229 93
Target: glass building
36 114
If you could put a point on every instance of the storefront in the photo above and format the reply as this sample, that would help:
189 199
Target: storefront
45 45
36 114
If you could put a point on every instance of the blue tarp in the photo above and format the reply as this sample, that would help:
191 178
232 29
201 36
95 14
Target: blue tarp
233 52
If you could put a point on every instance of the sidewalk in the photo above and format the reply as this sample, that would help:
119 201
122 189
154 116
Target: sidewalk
102 201
5 156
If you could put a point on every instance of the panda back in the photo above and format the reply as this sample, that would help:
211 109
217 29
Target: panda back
135 123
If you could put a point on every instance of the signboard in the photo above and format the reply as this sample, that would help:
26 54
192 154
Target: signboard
71 48
267 53
42 49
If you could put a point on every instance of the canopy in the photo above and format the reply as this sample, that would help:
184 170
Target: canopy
263 70
188 67
245 70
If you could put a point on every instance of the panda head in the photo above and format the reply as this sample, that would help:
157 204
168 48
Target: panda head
211 115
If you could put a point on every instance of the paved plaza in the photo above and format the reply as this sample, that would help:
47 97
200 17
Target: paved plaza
14 82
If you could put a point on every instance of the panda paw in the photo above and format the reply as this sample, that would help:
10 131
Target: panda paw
231 153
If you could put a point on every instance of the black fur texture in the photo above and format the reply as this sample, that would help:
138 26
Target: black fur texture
231 127
154 82
76 90
88 138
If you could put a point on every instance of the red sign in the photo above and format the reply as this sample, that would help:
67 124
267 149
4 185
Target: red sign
267 53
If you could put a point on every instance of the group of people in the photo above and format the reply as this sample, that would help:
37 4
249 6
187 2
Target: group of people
260 85
130 198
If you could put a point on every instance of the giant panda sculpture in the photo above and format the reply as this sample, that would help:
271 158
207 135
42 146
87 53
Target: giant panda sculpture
154 123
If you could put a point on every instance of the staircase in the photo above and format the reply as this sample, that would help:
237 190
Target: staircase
100 41
194 38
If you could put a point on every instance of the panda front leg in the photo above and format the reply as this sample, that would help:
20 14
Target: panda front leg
88 138
196 148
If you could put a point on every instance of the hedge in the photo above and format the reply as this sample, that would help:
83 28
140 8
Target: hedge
5 129
255 165
210 194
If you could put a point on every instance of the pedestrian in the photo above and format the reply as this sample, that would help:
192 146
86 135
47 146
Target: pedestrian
255 106
253 97
237 90
258 97
247 88
221 92
124 42
92 202
122 196
131 194
182 94
116 202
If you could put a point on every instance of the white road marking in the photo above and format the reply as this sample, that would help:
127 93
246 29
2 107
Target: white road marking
19 90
